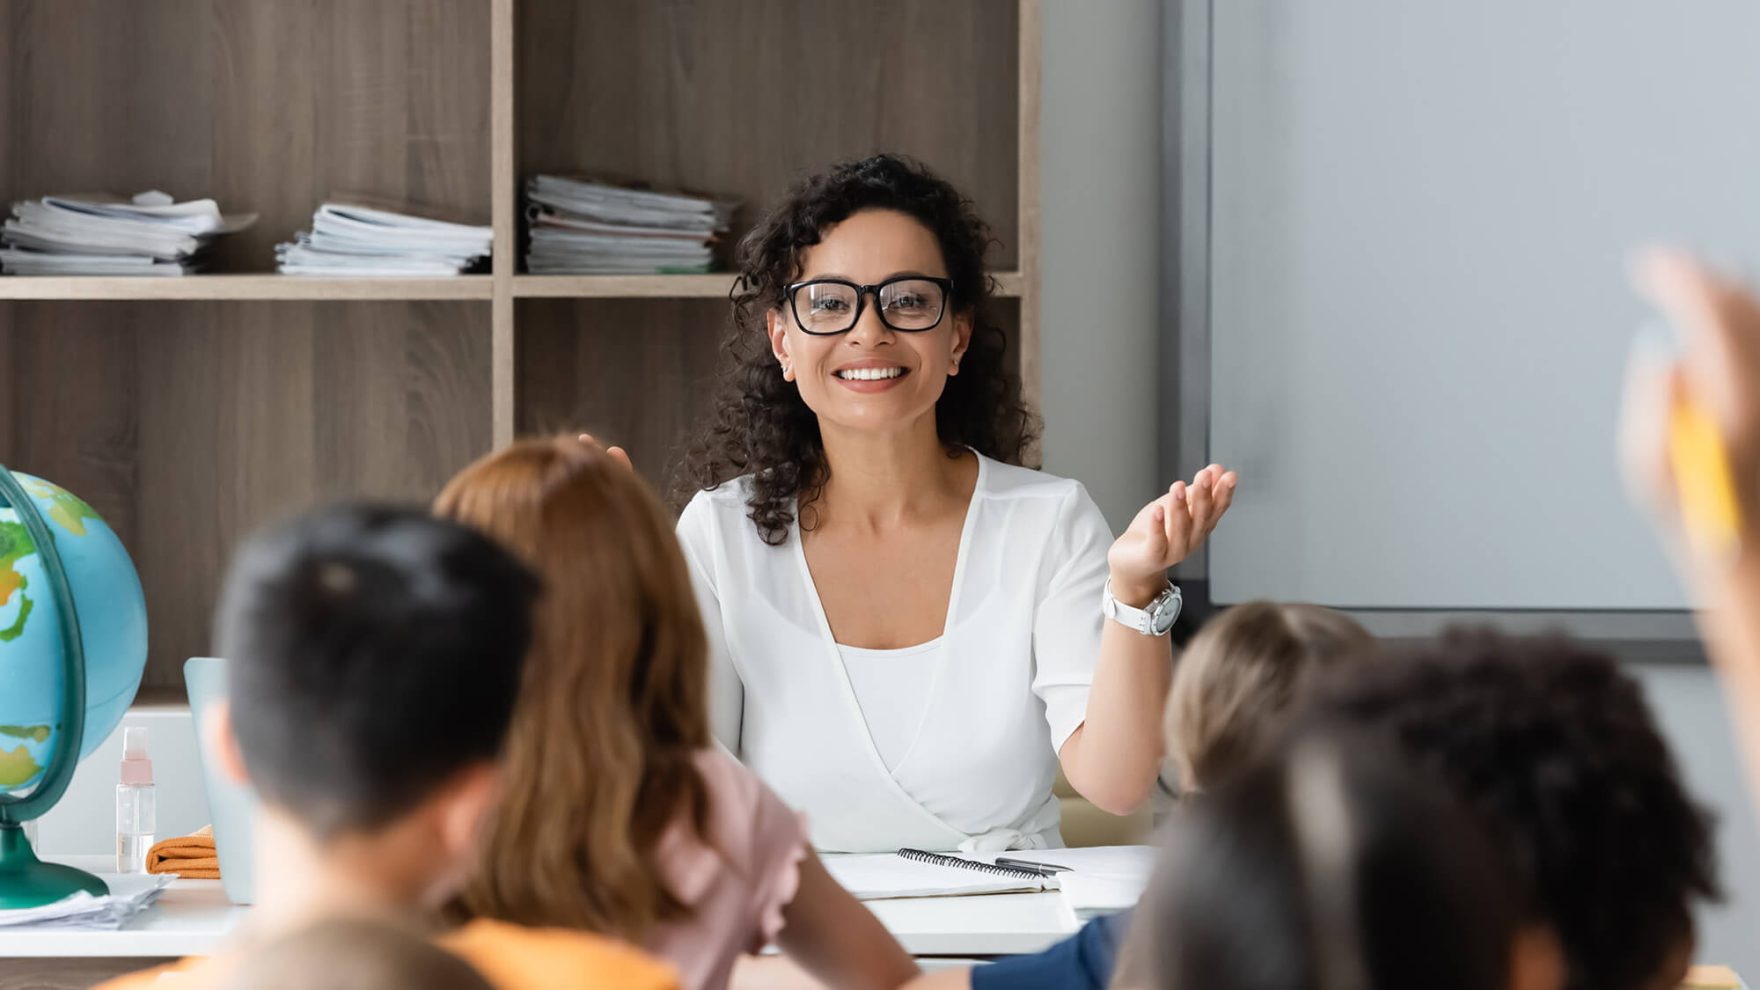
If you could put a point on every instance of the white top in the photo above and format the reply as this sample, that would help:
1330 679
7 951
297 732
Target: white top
892 689
1008 687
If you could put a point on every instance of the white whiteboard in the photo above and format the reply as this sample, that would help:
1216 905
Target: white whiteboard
1420 215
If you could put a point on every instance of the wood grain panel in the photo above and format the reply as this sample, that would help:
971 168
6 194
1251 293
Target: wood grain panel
10 405
252 411
634 372
73 385
187 425
67 974
266 105
741 98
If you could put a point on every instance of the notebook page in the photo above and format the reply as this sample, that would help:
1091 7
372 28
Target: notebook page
882 875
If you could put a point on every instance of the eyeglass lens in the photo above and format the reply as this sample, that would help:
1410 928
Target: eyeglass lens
831 307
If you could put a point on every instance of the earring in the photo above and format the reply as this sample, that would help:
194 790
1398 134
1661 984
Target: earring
787 372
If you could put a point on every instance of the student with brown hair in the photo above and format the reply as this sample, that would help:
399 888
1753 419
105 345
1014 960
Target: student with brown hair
618 813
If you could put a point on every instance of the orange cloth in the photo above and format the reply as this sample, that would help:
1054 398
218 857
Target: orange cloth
191 857
508 956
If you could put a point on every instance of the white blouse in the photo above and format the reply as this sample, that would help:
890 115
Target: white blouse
1007 687
892 689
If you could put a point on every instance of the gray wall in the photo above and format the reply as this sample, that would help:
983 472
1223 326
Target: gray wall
1100 161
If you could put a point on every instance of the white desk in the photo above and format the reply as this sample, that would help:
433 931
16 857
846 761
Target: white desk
193 918
989 925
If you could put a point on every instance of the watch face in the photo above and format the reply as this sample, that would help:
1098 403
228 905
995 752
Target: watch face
1164 612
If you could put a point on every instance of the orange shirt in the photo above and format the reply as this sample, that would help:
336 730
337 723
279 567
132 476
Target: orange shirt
508 956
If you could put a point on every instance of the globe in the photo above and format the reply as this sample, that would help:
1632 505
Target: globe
112 623
65 682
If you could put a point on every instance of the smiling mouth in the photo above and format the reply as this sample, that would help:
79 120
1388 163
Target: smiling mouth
869 374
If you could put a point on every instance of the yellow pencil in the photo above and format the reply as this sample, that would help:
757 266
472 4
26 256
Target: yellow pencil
1703 482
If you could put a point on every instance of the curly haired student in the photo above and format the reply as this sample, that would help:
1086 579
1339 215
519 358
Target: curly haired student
1556 751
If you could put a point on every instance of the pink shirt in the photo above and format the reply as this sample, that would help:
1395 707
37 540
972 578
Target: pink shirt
737 883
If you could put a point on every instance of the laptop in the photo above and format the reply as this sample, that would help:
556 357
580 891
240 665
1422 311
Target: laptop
232 806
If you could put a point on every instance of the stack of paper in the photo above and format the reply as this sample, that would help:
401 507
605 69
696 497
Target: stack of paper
129 896
353 236
1101 879
588 227
106 235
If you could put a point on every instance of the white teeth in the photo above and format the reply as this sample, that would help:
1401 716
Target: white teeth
869 374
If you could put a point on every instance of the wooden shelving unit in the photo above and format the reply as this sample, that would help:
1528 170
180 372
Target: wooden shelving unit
243 287
717 286
190 411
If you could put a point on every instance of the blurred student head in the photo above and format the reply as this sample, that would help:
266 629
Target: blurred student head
1242 676
1556 753
1329 866
352 954
374 656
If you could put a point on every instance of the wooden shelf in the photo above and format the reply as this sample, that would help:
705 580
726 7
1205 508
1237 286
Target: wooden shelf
713 286
244 287
188 411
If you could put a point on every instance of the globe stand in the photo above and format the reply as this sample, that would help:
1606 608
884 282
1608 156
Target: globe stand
25 880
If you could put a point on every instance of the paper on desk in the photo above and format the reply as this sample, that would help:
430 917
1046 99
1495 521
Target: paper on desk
129 896
883 875
1102 879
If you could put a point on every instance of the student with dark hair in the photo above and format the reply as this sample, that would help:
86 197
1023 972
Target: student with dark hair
374 658
1329 867
1555 751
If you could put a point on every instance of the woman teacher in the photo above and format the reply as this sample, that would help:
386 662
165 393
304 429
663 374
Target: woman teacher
906 627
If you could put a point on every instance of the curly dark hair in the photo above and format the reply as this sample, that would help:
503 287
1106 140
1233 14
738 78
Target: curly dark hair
1558 753
761 427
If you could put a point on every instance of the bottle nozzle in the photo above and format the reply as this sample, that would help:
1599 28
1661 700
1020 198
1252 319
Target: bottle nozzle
136 767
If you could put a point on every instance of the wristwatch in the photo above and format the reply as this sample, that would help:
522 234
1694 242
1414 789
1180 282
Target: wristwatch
1155 620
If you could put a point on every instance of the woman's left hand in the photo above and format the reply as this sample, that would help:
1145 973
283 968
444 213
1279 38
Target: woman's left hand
1167 530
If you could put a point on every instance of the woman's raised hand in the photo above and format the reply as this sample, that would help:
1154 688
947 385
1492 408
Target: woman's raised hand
617 453
1167 530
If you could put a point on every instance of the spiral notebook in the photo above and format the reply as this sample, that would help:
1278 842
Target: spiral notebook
913 873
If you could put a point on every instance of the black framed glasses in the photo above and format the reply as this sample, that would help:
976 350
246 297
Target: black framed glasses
906 303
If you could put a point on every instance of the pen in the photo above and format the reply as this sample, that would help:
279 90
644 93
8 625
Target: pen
1027 864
